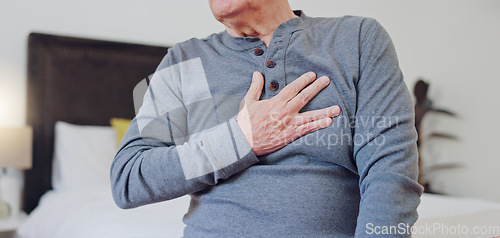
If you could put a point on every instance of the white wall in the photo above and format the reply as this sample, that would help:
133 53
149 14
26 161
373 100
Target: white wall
454 44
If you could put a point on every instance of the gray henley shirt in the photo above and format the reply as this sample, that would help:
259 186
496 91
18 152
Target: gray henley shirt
355 178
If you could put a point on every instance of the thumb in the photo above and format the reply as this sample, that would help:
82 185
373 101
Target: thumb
255 89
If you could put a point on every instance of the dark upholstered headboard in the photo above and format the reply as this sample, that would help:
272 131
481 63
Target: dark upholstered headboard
79 81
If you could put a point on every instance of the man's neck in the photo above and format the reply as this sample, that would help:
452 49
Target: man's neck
260 24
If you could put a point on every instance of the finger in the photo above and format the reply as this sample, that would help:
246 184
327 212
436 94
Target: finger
255 89
299 101
311 116
312 126
294 87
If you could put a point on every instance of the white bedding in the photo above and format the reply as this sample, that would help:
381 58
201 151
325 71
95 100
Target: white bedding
92 213
81 204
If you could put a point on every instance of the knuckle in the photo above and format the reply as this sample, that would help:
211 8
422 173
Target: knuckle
303 129
300 121
302 83
288 119
325 123
255 90
304 97
318 85
276 116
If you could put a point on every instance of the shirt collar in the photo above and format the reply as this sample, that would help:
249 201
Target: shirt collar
245 43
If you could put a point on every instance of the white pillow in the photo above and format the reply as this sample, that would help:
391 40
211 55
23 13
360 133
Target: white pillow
82 156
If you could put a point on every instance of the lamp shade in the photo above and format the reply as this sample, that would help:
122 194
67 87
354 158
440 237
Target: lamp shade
16 147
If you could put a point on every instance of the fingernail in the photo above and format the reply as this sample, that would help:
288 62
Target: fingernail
336 110
254 76
328 122
311 75
325 80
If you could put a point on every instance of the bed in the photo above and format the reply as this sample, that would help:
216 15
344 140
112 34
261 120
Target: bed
84 82
75 86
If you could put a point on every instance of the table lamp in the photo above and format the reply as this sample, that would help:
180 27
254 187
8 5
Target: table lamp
16 148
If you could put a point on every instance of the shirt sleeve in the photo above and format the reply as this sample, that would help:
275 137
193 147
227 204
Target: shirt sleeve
160 158
384 140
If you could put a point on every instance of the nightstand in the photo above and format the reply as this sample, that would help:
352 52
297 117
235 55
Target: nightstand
9 225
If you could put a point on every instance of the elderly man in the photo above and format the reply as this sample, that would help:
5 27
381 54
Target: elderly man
299 156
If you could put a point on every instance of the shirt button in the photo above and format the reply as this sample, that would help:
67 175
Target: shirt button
270 64
258 52
274 85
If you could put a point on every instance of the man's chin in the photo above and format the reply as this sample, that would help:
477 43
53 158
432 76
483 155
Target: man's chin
228 9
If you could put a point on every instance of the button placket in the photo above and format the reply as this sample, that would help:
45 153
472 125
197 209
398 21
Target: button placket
275 65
